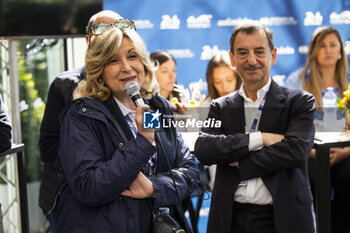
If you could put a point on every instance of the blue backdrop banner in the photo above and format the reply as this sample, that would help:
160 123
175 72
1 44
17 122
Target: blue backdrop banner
194 30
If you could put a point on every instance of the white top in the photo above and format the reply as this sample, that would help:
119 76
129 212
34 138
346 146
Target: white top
254 191
129 112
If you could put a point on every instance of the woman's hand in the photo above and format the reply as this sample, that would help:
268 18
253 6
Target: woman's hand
140 188
147 133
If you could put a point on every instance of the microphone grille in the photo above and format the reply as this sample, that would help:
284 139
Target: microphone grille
131 88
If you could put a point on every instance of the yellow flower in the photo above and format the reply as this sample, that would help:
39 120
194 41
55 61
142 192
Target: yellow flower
175 100
193 103
347 94
343 101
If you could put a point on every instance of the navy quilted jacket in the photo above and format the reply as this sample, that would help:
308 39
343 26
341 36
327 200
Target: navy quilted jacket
95 165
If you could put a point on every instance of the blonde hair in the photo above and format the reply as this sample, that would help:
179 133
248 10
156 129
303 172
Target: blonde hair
100 51
311 75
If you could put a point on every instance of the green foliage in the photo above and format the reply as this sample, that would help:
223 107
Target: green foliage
32 110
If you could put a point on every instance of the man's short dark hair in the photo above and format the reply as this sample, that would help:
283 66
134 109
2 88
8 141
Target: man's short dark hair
249 28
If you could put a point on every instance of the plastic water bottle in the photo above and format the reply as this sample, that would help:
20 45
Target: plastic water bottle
329 109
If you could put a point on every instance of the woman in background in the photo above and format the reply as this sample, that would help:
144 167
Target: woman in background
222 79
326 66
166 77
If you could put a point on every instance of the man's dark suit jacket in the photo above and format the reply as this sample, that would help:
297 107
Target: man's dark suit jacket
282 166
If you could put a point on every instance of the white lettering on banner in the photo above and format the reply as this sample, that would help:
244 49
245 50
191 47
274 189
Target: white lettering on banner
208 52
303 49
193 123
267 21
143 24
202 21
342 18
347 47
285 50
312 19
277 21
181 53
228 22
170 22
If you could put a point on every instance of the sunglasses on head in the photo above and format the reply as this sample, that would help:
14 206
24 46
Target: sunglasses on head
99 28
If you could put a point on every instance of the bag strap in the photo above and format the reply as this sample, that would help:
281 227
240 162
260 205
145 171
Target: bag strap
182 213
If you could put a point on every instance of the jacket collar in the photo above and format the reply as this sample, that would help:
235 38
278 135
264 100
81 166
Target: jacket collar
156 102
273 107
114 109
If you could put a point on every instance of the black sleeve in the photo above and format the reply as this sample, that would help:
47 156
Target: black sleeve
214 147
5 129
50 126
293 151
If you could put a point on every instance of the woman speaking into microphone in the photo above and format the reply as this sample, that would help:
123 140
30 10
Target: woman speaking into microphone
112 172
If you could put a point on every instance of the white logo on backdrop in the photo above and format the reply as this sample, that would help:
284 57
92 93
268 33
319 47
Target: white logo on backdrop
303 49
282 50
277 21
208 52
347 47
170 22
228 22
143 24
181 53
268 21
342 18
312 19
202 21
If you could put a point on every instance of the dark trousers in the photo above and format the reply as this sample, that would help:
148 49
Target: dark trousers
340 203
251 218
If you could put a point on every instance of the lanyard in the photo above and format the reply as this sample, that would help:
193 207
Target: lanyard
149 168
257 115
131 125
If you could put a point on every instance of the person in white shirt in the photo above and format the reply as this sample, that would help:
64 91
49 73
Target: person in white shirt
262 147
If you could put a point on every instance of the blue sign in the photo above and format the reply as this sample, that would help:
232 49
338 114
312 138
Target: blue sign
194 30
151 120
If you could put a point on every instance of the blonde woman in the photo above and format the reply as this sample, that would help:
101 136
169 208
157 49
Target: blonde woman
111 170
327 66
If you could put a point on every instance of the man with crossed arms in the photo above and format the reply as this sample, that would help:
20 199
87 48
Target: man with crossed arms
262 148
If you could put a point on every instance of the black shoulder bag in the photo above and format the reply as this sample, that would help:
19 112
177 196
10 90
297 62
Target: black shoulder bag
162 221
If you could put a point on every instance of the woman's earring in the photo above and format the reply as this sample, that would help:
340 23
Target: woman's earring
339 57
100 80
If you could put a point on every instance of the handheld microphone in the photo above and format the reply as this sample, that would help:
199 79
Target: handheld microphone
132 89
